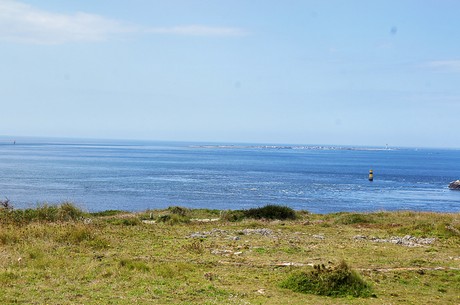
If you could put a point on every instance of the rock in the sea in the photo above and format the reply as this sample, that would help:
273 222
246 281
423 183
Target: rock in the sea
454 185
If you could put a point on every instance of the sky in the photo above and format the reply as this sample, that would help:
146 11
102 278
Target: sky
338 72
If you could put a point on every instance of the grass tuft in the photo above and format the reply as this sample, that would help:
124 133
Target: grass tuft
354 218
339 281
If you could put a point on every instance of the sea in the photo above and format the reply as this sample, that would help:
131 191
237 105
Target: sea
99 175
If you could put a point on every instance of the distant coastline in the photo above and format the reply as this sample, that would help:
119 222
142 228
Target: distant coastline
294 147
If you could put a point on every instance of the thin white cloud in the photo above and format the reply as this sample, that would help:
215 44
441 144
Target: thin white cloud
444 65
23 23
198 30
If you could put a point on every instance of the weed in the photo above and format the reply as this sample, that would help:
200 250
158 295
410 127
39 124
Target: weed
8 238
354 218
195 246
235 215
181 211
134 265
173 219
339 281
42 213
126 221
107 213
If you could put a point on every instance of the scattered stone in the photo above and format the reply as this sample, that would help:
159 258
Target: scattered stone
319 236
263 231
407 241
205 219
261 291
231 235
221 252
198 235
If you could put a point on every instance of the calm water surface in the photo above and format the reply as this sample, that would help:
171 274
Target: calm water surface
138 176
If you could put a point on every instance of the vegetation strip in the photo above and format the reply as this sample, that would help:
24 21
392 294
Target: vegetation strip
61 254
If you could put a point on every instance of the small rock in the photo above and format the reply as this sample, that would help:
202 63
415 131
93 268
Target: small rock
319 236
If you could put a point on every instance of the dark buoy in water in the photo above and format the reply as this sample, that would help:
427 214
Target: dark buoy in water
371 175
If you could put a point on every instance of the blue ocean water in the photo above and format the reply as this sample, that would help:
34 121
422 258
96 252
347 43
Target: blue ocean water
137 176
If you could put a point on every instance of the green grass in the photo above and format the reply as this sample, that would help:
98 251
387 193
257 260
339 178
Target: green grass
337 281
54 254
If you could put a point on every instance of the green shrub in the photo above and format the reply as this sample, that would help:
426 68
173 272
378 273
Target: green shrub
173 219
271 212
339 281
181 211
67 211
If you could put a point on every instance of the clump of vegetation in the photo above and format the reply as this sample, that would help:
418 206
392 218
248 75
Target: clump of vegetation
354 218
42 213
270 212
107 213
175 215
181 211
338 281
173 219
134 264
125 221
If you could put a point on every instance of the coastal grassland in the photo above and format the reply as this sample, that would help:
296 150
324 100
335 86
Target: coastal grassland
182 256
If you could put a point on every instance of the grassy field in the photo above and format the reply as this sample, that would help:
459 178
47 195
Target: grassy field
60 255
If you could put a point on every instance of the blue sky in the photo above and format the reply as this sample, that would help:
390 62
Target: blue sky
300 72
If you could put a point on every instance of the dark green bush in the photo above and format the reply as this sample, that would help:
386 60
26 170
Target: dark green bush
271 212
339 281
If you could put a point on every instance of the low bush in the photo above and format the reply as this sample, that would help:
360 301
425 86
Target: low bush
339 281
271 212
